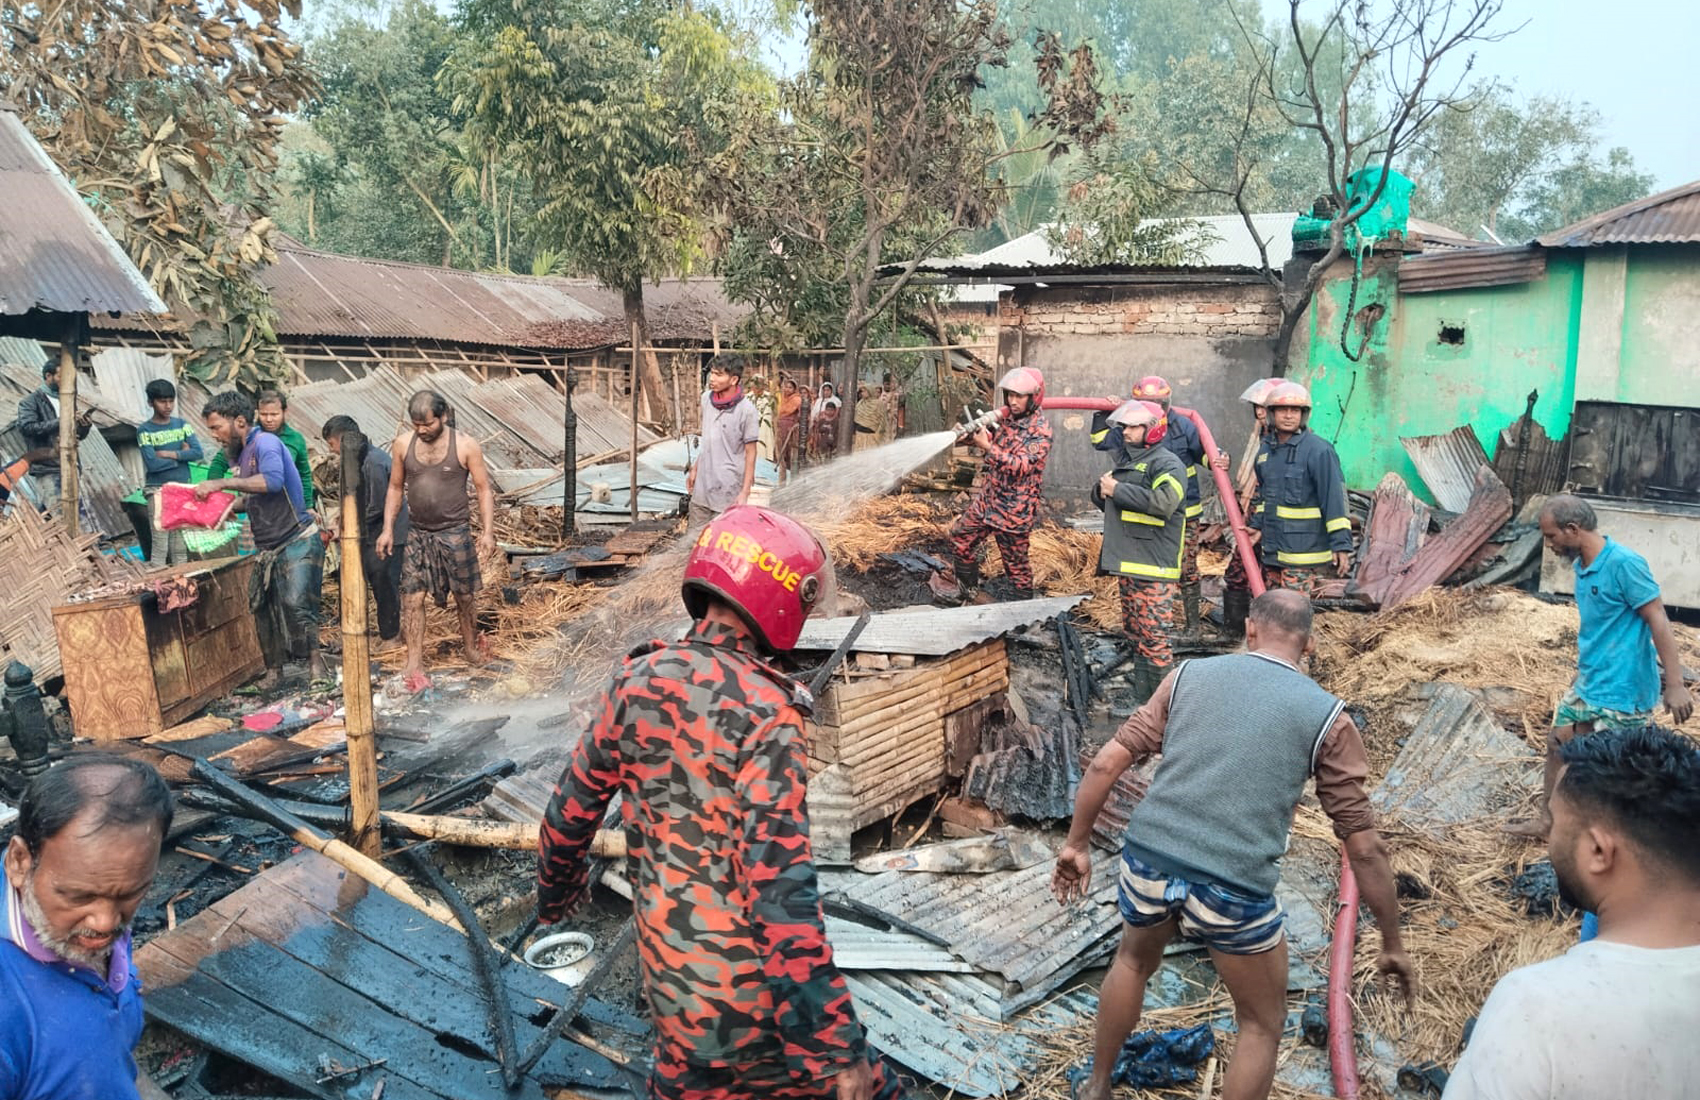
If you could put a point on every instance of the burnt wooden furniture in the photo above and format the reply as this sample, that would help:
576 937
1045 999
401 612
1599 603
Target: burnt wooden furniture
132 670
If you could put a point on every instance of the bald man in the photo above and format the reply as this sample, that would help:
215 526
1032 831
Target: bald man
1239 736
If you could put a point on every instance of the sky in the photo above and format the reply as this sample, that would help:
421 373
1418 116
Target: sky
1634 60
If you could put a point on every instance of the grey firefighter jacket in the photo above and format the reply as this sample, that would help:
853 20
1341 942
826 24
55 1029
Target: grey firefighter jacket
1144 523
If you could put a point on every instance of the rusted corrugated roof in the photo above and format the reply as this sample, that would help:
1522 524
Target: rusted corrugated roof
1459 269
534 410
1457 764
54 253
1448 464
1670 217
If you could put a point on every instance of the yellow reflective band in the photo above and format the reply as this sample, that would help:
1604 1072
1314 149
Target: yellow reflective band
1321 557
1258 511
1141 517
1179 491
1155 572
1284 512
1195 510
1342 524
1139 465
1192 471
1098 437
1262 458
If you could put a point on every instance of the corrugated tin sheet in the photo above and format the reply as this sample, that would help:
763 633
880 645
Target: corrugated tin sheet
1461 269
1670 217
931 1023
1457 764
934 632
535 411
1034 946
321 294
54 253
121 377
103 486
1448 464
1227 245
858 947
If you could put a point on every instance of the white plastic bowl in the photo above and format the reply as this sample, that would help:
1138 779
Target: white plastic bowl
576 965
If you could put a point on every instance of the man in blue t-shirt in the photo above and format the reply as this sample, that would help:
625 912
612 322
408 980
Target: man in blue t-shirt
83 858
1624 640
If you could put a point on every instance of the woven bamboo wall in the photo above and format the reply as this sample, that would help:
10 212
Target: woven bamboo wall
41 565
880 742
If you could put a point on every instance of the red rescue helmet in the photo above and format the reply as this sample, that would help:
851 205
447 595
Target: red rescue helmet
1287 395
768 567
1142 414
1024 380
1153 388
1258 392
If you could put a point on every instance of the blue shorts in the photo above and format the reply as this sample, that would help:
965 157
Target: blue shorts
1221 918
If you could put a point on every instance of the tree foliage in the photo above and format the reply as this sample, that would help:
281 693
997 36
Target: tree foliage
1519 168
167 115
880 156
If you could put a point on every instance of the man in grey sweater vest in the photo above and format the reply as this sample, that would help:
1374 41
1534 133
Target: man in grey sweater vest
1239 736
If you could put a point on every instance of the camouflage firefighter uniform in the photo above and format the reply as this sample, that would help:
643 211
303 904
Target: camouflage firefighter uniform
704 742
1302 511
1144 531
1007 505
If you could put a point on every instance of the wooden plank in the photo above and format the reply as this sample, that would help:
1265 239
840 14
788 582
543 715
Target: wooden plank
192 729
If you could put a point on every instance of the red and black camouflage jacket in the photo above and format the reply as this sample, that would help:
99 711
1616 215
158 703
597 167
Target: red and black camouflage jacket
1008 499
705 744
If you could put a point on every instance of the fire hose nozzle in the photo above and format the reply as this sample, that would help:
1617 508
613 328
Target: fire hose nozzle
984 420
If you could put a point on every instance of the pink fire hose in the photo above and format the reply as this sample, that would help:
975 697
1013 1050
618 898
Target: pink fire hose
1224 487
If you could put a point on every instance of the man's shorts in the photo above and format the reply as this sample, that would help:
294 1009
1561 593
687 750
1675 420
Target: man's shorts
1572 711
1223 919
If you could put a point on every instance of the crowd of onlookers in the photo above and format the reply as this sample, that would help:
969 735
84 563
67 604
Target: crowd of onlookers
799 421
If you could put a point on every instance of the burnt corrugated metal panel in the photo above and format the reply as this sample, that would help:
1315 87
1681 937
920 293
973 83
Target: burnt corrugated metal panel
1457 764
121 376
936 1025
1034 948
1471 267
1670 217
858 947
54 253
934 632
1448 464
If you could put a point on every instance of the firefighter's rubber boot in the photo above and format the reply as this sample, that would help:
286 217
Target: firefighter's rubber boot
1236 602
1146 676
1189 606
1023 593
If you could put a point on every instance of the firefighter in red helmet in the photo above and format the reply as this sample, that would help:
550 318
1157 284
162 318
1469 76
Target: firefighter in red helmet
703 740
1301 512
1143 500
1006 507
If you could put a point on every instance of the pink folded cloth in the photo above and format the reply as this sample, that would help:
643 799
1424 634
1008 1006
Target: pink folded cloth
177 506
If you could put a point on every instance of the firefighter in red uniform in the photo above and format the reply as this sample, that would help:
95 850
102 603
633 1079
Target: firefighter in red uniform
703 740
1007 505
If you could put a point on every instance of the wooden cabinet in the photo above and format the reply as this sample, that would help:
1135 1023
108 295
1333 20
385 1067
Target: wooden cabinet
132 670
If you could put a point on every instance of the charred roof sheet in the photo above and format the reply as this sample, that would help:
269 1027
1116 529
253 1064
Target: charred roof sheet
1670 217
54 253
934 632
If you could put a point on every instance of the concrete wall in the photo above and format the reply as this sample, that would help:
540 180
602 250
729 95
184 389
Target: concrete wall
1410 381
1659 363
1209 341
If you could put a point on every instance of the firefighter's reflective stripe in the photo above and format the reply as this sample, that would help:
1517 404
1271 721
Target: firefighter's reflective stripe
1344 523
1141 517
1195 510
1099 437
1180 490
1158 572
1321 557
1284 512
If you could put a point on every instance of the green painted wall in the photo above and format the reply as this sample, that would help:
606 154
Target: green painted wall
1410 382
1659 363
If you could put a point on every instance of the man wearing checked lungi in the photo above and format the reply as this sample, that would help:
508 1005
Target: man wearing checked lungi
430 466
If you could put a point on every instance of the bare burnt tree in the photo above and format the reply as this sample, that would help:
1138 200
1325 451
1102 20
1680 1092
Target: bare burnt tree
1364 82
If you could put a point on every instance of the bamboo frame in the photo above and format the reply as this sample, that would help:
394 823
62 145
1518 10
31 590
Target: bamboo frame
364 833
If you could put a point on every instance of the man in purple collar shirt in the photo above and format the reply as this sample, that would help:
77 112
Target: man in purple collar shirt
83 857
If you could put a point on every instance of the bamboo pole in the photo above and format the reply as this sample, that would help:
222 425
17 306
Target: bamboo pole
634 421
356 662
329 847
68 426
472 832
569 461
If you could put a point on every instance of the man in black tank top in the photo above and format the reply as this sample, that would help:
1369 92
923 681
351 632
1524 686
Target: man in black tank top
430 466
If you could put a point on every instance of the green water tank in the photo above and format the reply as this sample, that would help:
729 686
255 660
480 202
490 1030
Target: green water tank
1391 211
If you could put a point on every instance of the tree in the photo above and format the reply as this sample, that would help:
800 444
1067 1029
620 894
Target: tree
613 121
167 117
1108 219
1579 188
1364 84
881 155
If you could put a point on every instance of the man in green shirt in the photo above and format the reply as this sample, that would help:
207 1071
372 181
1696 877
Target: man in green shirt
271 407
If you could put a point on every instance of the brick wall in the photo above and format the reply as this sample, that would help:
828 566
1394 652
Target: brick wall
1213 312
